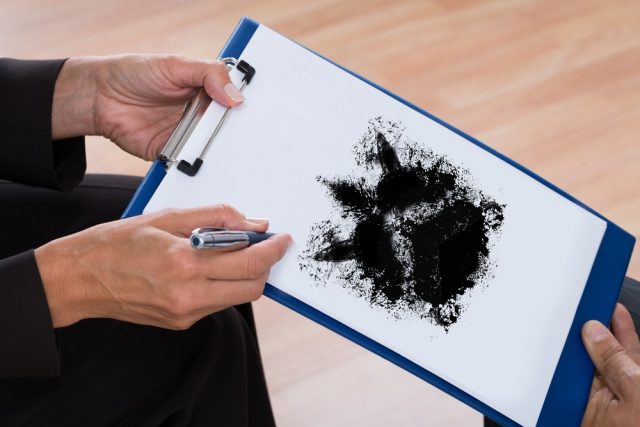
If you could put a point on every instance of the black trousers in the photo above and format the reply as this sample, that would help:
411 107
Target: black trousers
116 373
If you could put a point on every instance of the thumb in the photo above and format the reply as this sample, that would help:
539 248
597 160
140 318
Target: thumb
619 370
213 76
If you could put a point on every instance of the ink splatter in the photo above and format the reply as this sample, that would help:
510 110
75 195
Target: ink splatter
411 234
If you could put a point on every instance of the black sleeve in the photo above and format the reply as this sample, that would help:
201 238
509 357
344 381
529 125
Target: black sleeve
27 339
27 154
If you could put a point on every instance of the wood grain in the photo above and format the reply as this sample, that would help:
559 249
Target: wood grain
554 85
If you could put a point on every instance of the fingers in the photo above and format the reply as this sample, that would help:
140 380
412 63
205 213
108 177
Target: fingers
219 87
213 76
618 369
193 283
232 292
625 331
191 295
248 263
182 222
596 385
187 305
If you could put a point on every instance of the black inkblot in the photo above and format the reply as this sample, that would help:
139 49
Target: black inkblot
411 233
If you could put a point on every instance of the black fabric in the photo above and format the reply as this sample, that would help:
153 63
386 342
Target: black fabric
116 373
27 341
27 153
31 217
47 212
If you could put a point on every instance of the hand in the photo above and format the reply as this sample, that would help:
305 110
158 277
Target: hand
615 393
143 269
134 100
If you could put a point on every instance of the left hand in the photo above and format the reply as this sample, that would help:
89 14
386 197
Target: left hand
143 269
134 100
615 393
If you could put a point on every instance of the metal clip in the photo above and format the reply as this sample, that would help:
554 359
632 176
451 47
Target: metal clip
193 112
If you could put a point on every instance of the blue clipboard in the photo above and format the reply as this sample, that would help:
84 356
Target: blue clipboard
569 389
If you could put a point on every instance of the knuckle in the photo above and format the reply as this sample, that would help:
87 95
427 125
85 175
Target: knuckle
634 375
611 355
174 251
180 324
631 375
253 268
256 289
228 211
189 268
220 68
183 265
169 212
178 304
177 59
165 215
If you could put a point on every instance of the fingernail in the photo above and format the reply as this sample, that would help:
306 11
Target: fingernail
258 221
595 331
233 92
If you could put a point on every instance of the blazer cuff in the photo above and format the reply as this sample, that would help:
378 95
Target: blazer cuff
27 153
28 345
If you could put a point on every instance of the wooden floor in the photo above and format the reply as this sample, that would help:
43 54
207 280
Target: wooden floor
553 84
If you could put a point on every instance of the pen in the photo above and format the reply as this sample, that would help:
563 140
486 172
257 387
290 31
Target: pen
218 238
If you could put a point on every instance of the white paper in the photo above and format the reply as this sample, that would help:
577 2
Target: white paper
300 119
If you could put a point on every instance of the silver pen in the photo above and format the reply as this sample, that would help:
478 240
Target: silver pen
225 240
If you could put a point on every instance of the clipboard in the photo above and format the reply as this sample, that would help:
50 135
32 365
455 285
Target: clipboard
568 392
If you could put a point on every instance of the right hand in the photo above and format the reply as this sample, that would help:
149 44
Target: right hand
615 393
134 100
143 269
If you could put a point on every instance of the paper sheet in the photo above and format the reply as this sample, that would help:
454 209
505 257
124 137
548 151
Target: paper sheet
309 131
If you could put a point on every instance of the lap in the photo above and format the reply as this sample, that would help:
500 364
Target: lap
118 373
31 216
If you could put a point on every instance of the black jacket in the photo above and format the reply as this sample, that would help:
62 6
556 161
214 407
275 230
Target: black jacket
27 155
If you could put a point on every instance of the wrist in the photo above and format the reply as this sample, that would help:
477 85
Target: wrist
62 278
74 99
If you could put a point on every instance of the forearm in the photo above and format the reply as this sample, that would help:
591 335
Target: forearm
74 99
66 284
